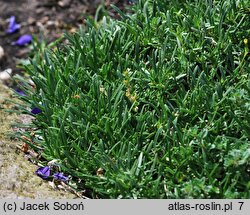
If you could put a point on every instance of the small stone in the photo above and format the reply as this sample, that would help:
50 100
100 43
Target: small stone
31 21
52 184
44 20
64 3
6 74
1 52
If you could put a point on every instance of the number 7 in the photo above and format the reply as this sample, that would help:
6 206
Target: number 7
241 204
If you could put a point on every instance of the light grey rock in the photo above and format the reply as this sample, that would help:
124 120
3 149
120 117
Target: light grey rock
1 52
6 74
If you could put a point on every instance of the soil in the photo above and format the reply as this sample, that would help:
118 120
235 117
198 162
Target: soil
50 18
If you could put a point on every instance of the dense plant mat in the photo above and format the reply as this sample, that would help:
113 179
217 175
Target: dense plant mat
154 105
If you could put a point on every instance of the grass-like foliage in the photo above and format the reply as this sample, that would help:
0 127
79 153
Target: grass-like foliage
154 105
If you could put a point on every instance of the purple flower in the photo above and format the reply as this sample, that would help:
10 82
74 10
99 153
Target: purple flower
20 92
13 26
23 40
43 172
59 176
36 110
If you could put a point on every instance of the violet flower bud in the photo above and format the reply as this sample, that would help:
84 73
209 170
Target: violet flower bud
20 92
36 110
43 172
13 26
23 40
59 176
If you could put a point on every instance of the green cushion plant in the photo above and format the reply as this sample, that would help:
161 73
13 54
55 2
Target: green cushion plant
154 105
